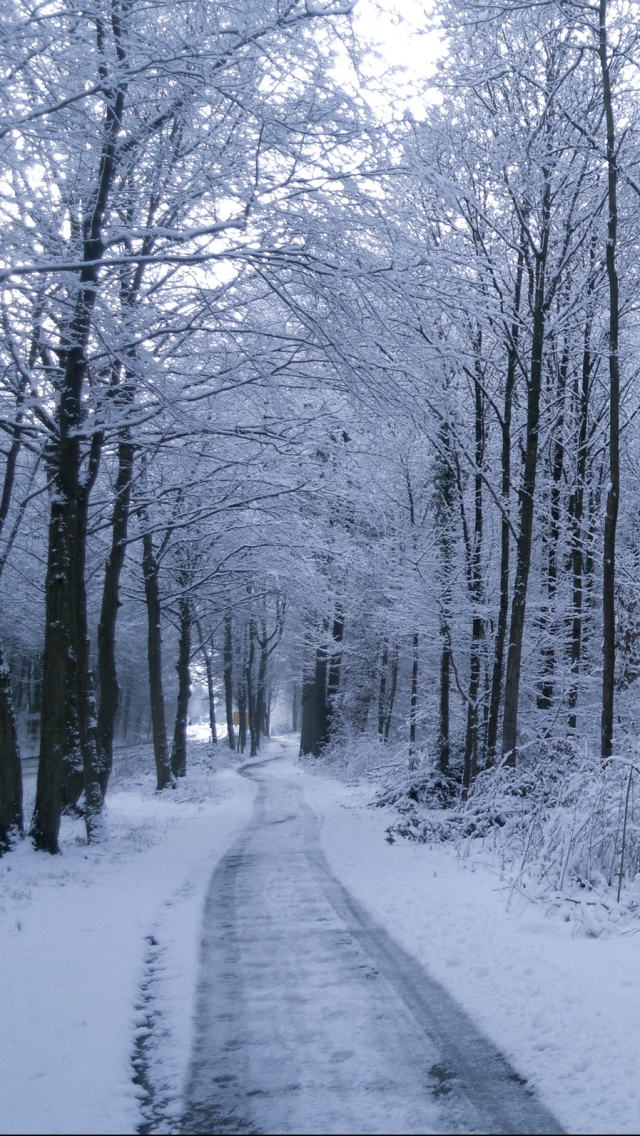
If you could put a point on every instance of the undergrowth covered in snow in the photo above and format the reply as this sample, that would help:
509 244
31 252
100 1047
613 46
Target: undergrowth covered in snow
563 829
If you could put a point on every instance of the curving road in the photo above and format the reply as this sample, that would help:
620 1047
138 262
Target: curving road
311 1018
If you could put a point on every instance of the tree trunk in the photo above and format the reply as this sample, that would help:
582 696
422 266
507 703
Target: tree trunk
242 716
321 709
261 692
546 689
11 814
576 512
314 732
68 725
295 707
613 493
527 497
335 665
475 585
150 569
11 818
107 674
445 688
179 748
68 751
382 696
392 690
228 678
505 532
207 654
413 706
254 734
307 725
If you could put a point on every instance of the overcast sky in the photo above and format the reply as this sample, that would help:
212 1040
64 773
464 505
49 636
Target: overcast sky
398 31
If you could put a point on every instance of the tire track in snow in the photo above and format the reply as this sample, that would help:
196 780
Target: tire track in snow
312 1019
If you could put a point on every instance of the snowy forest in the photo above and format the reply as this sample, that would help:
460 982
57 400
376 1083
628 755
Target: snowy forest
309 399
319 409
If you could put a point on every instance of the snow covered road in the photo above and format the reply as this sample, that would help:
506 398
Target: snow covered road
311 1018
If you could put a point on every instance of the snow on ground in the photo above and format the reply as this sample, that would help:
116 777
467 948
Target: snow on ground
564 1010
81 932
81 935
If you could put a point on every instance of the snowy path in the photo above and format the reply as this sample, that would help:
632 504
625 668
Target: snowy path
312 1019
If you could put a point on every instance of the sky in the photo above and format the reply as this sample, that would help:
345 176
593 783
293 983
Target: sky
398 34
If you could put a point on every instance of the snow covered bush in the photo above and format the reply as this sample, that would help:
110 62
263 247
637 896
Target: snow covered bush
563 828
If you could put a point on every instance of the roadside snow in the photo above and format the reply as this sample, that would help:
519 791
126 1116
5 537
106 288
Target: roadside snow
100 944
564 1010
81 933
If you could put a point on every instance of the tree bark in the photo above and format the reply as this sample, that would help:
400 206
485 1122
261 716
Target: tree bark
413 705
261 692
179 748
207 654
475 584
613 493
527 494
445 688
382 696
321 710
546 689
11 810
68 726
392 690
11 818
314 732
242 716
150 570
335 666
107 673
505 532
307 713
228 678
576 512
254 734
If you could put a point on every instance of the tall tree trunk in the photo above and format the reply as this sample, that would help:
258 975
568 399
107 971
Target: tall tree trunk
179 748
261 692
11 818
314 733
207 654
475 584
107 673
392 690
150 571
254 727
527 494
307 713
413 705
445 688
296 707
545 693
335 666
505 531
321 715
68 751
613 494
576 512
242 715
68 725
382 696
11 812
228 678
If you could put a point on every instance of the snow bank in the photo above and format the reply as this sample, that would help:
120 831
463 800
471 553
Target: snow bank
80 936
565 1009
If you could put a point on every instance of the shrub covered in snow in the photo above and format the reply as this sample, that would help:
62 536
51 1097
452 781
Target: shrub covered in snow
563 828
